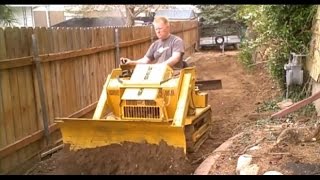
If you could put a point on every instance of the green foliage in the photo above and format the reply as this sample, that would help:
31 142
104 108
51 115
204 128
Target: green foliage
214 14
6 16
270 105
246 52
280 28
308 110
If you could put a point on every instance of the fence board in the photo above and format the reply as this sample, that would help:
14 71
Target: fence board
94 67
77 68
313 61
99 58
90 68
31 96
32 119
8 113
53 80
3 55
131 38
29 118
57 75
110 58
24 78
16 89
23 107
85 68
38 44
36 90
80 69
113 53
136 52
103 58
122 38
63 92
3 138
63 73
70 65
46 73
10 100
14 78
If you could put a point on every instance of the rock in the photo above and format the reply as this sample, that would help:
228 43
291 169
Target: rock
285 103
252 169
298 134
243 161
272 173
255 148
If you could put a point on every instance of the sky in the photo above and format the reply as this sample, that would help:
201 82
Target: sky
61 7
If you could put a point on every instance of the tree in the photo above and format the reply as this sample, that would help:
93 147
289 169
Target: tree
133 11
278 30
89 10
6 16
130 12
214 14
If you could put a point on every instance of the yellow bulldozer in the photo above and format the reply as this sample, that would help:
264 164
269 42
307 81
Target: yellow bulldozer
146 103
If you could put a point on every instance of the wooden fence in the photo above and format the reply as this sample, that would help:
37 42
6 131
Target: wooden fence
313 59
72 68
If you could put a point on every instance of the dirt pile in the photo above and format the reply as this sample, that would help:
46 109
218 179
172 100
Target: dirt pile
127 158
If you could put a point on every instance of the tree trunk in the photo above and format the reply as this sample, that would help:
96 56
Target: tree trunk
130 15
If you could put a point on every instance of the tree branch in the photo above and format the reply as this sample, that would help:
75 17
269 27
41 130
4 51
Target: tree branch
141 9
128 8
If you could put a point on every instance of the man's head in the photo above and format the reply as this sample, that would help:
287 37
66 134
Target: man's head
162 27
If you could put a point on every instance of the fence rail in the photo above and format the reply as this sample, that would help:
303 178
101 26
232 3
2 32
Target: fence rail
74 64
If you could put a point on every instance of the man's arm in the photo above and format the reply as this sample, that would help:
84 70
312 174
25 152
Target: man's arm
144 60
174 59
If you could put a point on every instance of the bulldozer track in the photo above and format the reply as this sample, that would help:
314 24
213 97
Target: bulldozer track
197 132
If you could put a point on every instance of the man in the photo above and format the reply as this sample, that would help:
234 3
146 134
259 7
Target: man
168 49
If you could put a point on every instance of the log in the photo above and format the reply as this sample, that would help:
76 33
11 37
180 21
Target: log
296 106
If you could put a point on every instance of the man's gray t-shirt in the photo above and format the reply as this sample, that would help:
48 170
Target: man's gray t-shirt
161 50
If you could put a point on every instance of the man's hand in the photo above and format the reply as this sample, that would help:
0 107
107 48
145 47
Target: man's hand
127 61
124 60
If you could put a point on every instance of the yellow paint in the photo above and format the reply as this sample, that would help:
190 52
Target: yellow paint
102 103
183 102
87 133
200 99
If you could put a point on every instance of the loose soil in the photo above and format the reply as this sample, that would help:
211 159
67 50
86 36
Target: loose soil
125 158
234 110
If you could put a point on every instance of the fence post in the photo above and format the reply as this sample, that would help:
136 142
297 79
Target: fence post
185 44
198 33
117 59
41 88
151 33
183 30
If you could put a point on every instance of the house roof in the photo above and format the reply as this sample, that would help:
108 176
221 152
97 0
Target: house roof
177 14
92 22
